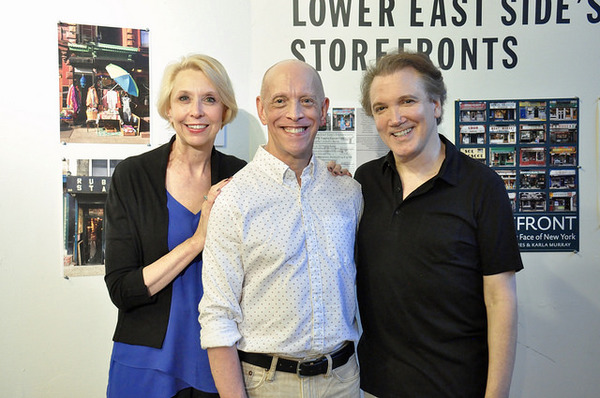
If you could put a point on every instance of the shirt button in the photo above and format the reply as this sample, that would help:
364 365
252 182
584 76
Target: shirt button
397 212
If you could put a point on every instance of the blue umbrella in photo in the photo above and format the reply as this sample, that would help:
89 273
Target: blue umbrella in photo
123 79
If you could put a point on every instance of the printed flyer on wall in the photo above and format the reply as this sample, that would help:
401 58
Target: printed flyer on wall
533 145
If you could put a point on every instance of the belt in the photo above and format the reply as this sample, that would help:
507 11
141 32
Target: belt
302 368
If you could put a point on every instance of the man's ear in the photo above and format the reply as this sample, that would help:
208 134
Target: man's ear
260 110
437 110
324 109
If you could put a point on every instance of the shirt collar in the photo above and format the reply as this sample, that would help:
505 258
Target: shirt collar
448 171
278 169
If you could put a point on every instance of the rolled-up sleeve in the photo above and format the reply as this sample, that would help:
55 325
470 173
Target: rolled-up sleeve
222 275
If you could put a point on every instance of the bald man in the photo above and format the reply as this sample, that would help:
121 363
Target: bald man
278 314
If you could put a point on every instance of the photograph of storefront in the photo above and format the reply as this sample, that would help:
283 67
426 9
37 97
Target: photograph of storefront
563 133
500 157
563 156
563 110
532 201
532 156
563 201
563 179
532 110
503 111
103 84
343 119
472 134
85 187
503 134
472 111
532 179
532 133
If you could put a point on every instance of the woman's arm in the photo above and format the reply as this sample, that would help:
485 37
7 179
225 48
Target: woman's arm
162 272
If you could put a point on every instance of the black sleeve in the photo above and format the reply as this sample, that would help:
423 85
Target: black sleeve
124 263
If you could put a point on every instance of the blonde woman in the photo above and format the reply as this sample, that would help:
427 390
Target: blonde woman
156 213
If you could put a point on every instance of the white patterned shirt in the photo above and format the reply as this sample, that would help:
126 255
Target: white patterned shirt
278 262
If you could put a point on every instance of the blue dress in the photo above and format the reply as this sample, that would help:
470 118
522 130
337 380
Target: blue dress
140 371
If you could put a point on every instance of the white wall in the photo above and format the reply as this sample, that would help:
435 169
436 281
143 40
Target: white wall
55 337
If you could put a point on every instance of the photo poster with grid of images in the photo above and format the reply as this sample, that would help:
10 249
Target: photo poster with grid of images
533 145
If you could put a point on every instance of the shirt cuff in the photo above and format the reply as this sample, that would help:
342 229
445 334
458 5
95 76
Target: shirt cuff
222 334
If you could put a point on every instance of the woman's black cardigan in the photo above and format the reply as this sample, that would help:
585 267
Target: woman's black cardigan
137 221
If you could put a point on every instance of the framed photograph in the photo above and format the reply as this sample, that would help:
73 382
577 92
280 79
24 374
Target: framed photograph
85 187
563 133
563 156
502 157
343 119
563 201
532 133
532 179
563 179
563 109
532 110
472 134
502 111
532 201
532 156
503 134
103 75
472 111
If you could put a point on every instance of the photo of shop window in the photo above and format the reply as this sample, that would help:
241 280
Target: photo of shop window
532 201
563 110
563 156
343 119
509 177
85 187
472 134
563 201
502 111
472 111
563 179
532 133
535 156
103 84
563 133
503 134
500 157
475 153
532 110
532 179
512 197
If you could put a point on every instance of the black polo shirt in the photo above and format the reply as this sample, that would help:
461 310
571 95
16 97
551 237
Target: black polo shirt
420 265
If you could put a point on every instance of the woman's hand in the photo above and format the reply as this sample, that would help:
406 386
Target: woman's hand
337 170
209 201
